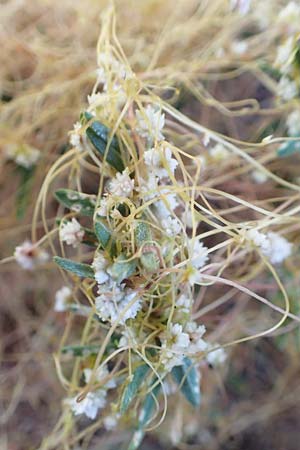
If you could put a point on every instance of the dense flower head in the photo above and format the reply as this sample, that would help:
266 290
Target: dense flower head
71 232
29 255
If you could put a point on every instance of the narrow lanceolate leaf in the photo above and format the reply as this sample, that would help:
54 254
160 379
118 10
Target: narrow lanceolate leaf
143 238
133 387
98 134
104 237
289 148
187 377
76 201
80 350
149 405
79 269
146 414
122 269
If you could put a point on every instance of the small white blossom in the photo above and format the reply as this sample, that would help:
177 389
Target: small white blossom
148 188
100 265
23 155
122 185
71 232
184 303
29 255
219 152
196 332
175 343
166 205
239 47
150 123
75 137
287 89
160 161
198 253
113 300
259 177
62 297
110 422
279 249
171 226
100 373
293 123
90 405
102 209
275 247
215 357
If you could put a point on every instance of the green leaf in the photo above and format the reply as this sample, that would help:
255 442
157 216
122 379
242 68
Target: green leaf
187 377
79 269
122 268
289 148
143 236
76 201
104 237
80 350
133 387
98 134
146 414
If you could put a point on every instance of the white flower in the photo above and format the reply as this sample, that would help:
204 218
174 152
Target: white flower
110 422
171 226
23 155
239 47
279 249
187 218
179 339
184 303
166 204
175 343
148 188
150 123
287 89
128 338
215 357
29 256
275 247
293 123
90 405
198 253
62 297
258 176
113 300
122 185
102 209
100 265
196 332
285 55
289 16
160 161
219 152
100 373
71 232
75 137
